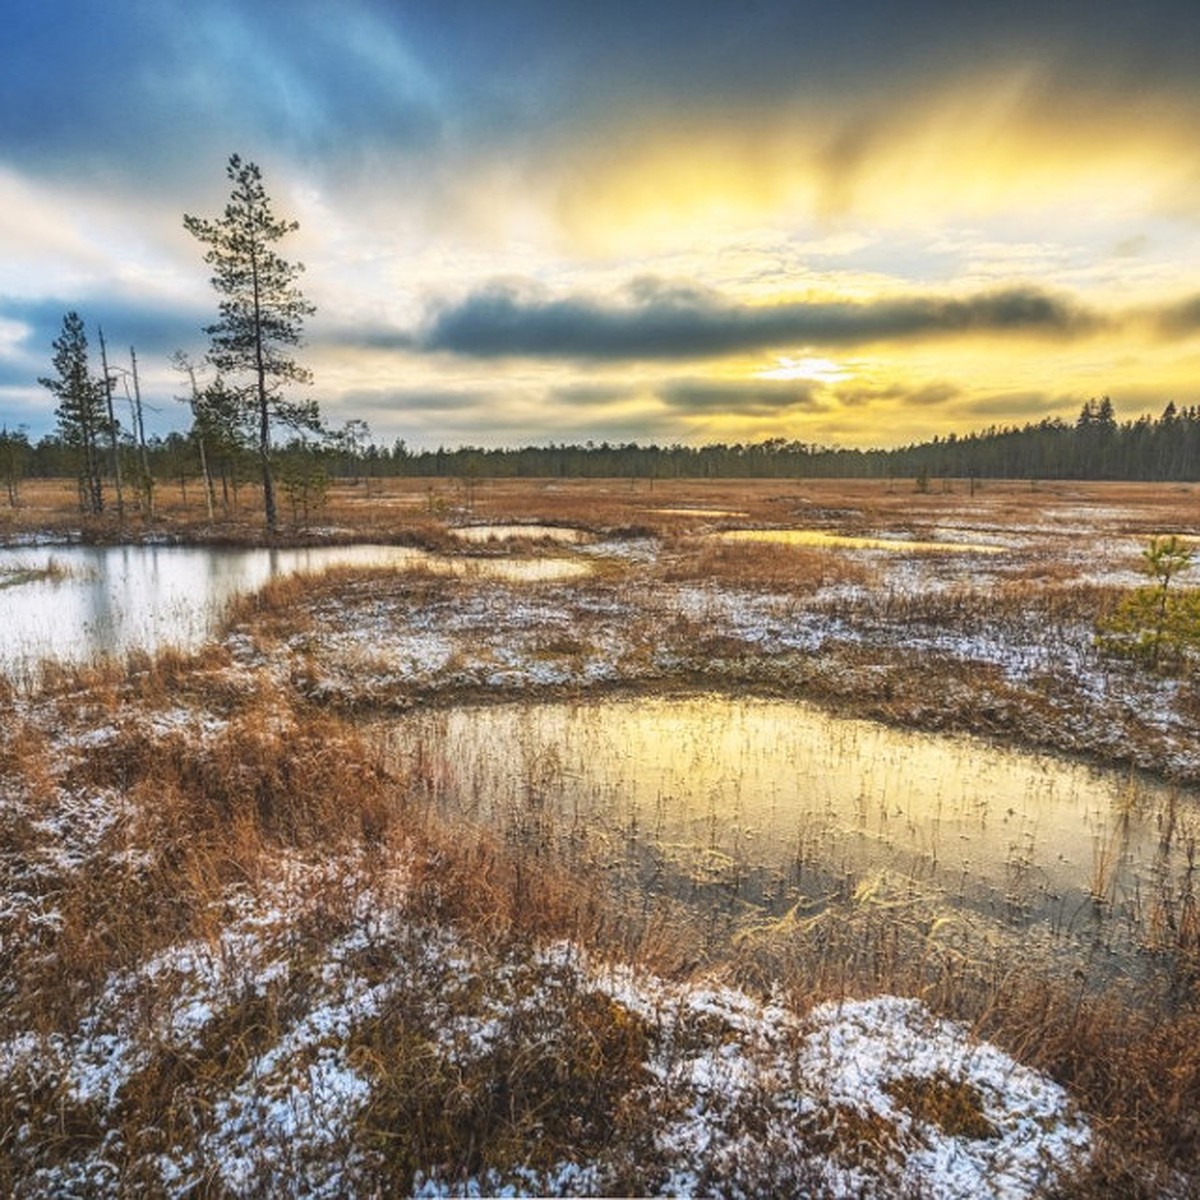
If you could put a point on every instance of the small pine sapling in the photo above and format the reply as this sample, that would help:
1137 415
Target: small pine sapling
1158 623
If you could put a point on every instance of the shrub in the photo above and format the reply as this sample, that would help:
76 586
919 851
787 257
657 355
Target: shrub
1157 624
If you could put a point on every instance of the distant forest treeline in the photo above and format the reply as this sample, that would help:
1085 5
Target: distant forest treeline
1095 446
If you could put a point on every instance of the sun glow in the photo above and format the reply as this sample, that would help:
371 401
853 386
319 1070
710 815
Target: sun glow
819 370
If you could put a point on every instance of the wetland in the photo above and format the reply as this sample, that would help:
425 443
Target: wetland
77 604
751 811
716 781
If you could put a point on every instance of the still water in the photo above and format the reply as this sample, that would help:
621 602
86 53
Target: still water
110 600
765 807
840 541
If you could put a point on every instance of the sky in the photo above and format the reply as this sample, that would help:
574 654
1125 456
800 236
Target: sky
532 221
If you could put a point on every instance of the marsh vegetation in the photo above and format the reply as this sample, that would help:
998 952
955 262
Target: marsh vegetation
678 863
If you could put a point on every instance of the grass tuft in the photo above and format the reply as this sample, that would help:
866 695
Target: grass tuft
954 1107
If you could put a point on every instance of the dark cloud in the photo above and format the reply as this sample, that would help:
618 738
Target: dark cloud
678 54
670 321
154 330
1180 319
928 395
18 374
933 395
146 93
427 417
148 90
757 399
1014 406
28 409
397 401
150 327
360 335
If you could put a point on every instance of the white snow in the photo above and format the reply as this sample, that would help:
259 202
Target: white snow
289 1122
856 1049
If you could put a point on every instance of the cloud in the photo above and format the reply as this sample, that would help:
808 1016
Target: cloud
736 398
393 88
16 374
926 395
593 395
155 329
1178 319
515 415
396 402
660 320
171 84
1015 406
362 335
28 407
151 327
429 147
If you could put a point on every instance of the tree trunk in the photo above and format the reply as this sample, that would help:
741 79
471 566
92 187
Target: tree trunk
264 456
204 472
208 483
95 485
264 408
112 430
147 477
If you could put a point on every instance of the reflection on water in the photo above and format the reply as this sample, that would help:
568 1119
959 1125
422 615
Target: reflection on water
820 537
74 603
763 806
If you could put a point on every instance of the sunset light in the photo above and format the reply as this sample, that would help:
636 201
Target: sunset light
577 223
600 598
822 370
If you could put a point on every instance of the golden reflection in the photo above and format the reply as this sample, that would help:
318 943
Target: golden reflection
747 794
839 541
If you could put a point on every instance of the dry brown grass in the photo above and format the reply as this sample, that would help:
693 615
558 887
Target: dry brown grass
560 1087
210 809
877 666
954 1107
791 570
1133 1064
419 508
197 812
843 506
217 804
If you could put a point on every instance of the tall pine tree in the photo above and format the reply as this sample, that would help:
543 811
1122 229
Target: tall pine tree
82 419
262 312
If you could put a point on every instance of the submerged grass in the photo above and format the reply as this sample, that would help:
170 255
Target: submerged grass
52 571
